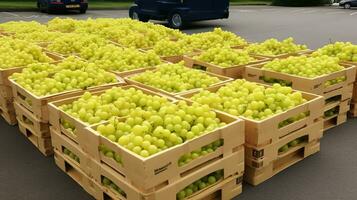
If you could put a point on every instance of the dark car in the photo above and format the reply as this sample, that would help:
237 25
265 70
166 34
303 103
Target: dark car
54 5
178 12
348 3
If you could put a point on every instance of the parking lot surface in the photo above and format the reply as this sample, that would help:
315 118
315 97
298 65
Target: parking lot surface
329 175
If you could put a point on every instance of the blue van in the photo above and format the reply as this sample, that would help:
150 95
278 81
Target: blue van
179 12
53 5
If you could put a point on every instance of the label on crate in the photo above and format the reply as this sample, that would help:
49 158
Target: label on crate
162 169
258 154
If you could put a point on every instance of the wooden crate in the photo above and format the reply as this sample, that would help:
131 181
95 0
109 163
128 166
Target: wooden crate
255 176
232 166
353 111
173 59
316 85
8 115
36 127
68 166
334 121
60 143
267 131
232 72
146 173
6 92
222 79
286 55
38 105
225 189
56 115
354 96
44 145
260 157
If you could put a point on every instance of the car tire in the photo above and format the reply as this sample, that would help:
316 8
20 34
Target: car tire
136 16
82 11
347 6
175 21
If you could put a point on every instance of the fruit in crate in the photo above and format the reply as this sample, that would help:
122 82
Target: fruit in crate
250 100
138 35
171 48
113 102
108 183
64 25
39 36
200 184
71 154
19 53
309 67
73 43
111 57
22 27
225 57
345 51
187 158
215 38
272 47
175 78
46 79
147 132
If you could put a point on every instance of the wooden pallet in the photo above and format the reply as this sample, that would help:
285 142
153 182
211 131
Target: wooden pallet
56 115
38 105
353 111
232 72
164 167
128 79
6 92
42 144
232 167
61 144
255 176
258 158
316 85
225 189
334 121
9 116
38 128
267 131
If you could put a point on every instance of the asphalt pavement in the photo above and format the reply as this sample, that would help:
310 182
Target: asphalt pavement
330 175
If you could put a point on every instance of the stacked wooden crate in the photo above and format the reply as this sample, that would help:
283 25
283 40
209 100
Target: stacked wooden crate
337 96
265 139
129 176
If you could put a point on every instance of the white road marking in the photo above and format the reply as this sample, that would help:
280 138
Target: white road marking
12 14
247 11
32 16
355 13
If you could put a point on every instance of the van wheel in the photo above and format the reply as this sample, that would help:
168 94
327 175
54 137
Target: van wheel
82 11
175 21
136 16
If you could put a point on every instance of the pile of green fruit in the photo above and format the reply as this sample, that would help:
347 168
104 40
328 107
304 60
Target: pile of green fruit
200 184
19 53
113 102
225 57
305 66
273 47
149 132
250 100
43 79
175 78
345 51
111 57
